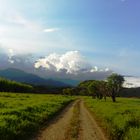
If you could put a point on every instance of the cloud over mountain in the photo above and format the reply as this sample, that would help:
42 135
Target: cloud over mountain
10 59
70 65
71 62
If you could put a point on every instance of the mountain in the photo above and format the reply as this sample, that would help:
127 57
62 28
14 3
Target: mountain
131 82
69 81
21 76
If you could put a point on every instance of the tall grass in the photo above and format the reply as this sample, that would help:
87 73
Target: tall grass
121 119
23 114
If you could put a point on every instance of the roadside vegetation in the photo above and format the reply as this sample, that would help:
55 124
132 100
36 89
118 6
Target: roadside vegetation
23 114
121 120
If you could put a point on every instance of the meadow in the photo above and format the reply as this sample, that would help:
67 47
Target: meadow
120 120
21 115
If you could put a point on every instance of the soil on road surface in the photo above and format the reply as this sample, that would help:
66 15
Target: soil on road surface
74 123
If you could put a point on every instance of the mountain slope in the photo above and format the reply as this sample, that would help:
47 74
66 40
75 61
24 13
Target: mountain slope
69 81
21 76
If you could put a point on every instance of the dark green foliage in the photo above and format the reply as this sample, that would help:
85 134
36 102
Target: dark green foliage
12 86
114 83
68 91
75 91
100 89
130 92
46 89
86 83
96 89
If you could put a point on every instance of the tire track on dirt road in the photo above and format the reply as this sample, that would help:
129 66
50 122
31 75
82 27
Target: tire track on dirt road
57 128
89 130
74 119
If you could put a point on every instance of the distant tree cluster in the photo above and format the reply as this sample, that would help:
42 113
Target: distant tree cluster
98 89
12 86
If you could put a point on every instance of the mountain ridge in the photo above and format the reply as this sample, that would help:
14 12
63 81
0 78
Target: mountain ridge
29 78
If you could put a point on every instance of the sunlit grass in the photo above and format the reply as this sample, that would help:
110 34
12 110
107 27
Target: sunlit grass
121 119
23 114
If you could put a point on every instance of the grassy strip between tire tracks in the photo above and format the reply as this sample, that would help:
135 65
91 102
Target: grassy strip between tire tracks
73 130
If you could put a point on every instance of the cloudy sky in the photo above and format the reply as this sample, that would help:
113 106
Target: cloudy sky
71 36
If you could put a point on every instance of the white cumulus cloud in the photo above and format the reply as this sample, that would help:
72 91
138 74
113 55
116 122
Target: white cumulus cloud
71 62
10 55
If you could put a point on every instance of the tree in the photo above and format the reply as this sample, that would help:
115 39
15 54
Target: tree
97 89
115 82
67 91
104 89
93 89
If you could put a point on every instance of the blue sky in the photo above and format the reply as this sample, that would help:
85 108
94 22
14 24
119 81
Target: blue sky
106 32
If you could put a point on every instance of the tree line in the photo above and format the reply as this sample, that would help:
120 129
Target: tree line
7 85
95 88
12 86
98 89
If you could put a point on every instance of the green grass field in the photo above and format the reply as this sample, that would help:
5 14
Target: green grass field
121 120
23 114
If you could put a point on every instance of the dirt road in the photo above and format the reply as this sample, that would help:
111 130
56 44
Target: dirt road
74 123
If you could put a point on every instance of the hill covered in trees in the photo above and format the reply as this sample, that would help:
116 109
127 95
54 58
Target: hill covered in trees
13 86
